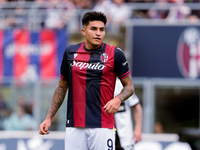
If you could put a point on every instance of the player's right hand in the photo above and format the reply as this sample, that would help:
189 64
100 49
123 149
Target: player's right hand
112 106
44 126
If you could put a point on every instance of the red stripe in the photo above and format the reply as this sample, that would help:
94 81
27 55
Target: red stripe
62 77
186 58
126 74
107 88
79 88
21 58
1 54
48 59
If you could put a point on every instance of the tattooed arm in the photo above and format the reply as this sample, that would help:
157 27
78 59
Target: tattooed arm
128 89
57 100
138 122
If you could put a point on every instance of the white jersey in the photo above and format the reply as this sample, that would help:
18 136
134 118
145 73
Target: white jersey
123 118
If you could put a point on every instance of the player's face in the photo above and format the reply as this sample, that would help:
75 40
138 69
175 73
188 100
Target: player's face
94 34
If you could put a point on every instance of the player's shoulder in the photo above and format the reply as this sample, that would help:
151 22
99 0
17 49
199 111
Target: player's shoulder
113 47
118 53
118 49
73 47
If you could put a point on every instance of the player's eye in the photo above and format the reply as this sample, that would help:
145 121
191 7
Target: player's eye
93 28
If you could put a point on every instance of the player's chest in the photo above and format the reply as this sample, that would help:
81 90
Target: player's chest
91 62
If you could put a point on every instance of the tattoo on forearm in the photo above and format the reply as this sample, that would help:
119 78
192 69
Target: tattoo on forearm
57 100
128 88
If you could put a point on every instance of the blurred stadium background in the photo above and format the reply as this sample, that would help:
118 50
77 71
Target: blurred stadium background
161 40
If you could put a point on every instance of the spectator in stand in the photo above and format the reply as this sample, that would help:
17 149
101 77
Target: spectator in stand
130 1
69 8
193 18
197 11
85 4
17 19
4 109
4 18
27 105
179 11
20 0
158 127
104 7
59 13
2 2
20 16
20 119
38 12
2 102
119 12
159 10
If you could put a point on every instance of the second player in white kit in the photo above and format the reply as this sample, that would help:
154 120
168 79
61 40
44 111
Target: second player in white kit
123 120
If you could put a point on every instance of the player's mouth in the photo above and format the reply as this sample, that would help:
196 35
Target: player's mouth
97 39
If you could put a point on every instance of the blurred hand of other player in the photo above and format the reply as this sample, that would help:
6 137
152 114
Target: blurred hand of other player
137 134
44 126
112 106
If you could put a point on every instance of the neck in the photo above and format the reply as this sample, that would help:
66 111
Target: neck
90 46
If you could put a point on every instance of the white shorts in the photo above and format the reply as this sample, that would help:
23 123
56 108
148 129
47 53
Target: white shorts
89 139
131 147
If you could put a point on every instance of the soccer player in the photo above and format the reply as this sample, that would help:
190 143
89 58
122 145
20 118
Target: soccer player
88 71
126 137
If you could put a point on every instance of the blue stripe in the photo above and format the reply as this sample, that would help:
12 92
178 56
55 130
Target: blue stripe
70 110
8 53
35 53
62 38
93 93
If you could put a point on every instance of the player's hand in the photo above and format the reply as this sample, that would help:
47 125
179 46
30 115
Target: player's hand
44 126
112 106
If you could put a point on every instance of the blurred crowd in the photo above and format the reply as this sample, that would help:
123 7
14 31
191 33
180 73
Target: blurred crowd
18 118
57 13
21 116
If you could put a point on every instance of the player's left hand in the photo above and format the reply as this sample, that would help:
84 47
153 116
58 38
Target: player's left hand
112 106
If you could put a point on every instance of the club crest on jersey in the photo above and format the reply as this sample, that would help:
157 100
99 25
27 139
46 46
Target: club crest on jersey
188 53
104 57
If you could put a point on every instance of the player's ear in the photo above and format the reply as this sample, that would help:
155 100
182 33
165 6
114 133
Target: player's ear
83 31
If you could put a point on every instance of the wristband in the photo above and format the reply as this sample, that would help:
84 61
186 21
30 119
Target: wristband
118 98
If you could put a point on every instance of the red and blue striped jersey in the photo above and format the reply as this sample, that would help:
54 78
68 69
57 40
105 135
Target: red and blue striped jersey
91 76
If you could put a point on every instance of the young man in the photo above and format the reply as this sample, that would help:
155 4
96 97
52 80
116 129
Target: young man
88 72
125 137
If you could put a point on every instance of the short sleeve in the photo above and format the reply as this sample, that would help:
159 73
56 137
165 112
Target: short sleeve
120 64
64 67
133 100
